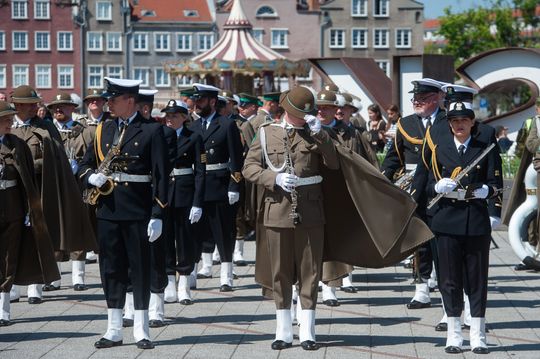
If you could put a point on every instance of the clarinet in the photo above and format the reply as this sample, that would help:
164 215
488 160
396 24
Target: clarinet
289 168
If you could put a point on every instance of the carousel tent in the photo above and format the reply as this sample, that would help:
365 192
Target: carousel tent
237 54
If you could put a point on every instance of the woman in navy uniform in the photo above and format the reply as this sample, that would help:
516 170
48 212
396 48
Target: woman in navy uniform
186 198
461 221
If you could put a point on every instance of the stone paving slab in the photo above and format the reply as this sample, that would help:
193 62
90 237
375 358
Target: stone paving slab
373 323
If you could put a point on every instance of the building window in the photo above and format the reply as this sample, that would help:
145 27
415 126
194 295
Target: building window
114 41
337 39
161 77
42 42
64 41
384 65
94 41
266 11
2 40
279 38
141 73
43 76
206 41
114 71
104 11
183 42
42 9
258 34
20 40
3 81
359 38
19 9
162 42
183 81
403 38
65 76
380 8
95 76
380 38
140 41
20 75
359 7
191 13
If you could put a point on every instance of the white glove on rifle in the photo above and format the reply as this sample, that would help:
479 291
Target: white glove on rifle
27 220
74 166
233 197
313 122
482 192
495 222
97 179
445 185
154 229
286 181
195 214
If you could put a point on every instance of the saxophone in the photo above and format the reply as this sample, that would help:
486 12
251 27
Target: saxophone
289 168
405 180
91 195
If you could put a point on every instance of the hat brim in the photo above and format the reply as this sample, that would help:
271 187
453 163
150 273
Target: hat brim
8 113
92 97
25 100
289 108
54 103
461 113
175 109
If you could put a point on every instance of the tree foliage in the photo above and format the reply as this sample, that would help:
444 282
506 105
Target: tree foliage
485 28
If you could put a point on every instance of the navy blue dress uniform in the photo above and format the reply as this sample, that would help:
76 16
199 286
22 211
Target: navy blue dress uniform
130 216
462 219
223 148
401 159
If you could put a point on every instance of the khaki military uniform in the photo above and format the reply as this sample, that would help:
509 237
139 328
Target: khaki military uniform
260 119
295 249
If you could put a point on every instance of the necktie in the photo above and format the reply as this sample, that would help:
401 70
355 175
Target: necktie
461 150
204 122
428 122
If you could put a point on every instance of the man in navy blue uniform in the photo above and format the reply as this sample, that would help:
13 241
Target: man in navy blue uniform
130 217
223 147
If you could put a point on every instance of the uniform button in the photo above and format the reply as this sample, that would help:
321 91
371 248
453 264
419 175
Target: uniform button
467 201
106 145
126 184
115 184
136 143
125 168
453 201
174 179
185 154
126 154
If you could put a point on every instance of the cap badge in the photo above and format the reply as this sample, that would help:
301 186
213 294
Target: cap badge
458 106
307 107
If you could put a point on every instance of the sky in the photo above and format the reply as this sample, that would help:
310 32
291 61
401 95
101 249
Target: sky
434 8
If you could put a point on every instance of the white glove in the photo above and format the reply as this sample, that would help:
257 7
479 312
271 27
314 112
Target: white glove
74 166
445 185
313 122
286 181
154 229
27 220
195 214
482 192
233 197
495 222
97 179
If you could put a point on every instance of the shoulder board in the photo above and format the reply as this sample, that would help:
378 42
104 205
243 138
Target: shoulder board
409 138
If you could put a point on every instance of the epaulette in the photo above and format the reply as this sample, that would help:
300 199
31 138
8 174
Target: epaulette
409 138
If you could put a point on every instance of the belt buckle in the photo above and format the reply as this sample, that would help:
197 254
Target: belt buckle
461 194
2 185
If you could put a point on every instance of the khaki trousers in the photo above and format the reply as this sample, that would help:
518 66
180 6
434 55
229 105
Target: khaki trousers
295 255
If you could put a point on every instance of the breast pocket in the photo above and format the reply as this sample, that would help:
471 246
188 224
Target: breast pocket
276 154
36 147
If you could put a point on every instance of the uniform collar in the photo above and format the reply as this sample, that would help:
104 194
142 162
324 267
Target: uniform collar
466 143
130 119
19 122
179 131
69 124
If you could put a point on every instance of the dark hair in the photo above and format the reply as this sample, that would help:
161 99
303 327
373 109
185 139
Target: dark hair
376 109
394 108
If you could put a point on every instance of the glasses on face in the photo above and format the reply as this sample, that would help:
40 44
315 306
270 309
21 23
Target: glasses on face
422 100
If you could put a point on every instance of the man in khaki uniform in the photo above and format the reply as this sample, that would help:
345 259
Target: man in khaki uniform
266 112
285 158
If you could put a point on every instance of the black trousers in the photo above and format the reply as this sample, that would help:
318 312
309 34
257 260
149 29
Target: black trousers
425 265
216 229
10 246
182 242
463 265
158 271
123 247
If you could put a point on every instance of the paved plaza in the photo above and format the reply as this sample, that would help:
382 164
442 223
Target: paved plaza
373 323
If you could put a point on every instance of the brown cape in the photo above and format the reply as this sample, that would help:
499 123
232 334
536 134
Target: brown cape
36 263
369 221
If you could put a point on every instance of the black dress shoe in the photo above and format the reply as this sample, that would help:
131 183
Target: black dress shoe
35 300
522 266
441 327
240 263
79 287
90 261
104 343
349 289
309 345
418 305
280 344
465 326
234 276
225 288
155 323
203 276
480 350
16 300
452 349
331 302
145 344
215 262
50 288
4 323
127 323
186 302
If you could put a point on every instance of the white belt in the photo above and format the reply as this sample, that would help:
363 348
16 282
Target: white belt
5 184
181 171
216 166
410 166
124 177
459 195
304 181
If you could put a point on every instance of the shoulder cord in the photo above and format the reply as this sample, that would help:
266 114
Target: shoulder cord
97 143
265 153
